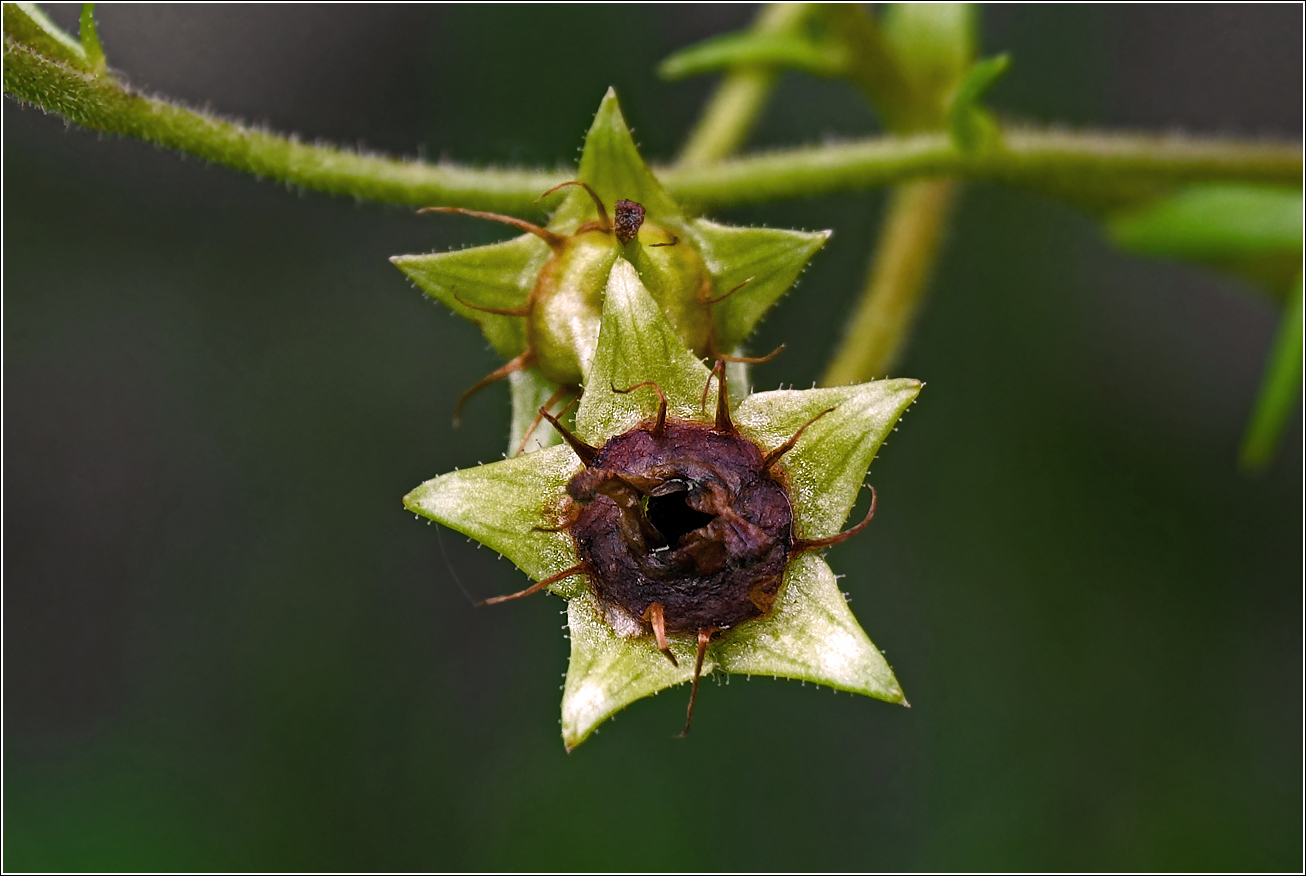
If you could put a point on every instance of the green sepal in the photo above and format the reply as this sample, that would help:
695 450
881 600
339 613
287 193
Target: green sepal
608 671
1280 391
751 48
508 506
530 390
811 635
971 125
826 468
771 258
611 165
25 23
637 344
498 276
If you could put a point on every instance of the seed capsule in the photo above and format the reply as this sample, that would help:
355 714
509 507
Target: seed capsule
684 526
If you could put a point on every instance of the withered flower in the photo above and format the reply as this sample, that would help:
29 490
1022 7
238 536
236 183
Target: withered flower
684 532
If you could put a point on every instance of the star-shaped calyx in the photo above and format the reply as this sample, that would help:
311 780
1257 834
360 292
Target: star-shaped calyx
668 492
539 297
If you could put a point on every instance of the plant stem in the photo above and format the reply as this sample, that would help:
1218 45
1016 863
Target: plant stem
909 240
102 103
874 67
734 107
1094 169
1097 170
1280 390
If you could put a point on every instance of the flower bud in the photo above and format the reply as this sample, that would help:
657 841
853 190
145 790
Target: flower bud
538 298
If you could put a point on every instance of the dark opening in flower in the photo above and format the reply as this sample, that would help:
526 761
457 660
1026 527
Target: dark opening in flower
685 526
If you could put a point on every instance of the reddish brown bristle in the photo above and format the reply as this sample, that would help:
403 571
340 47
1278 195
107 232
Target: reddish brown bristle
807 544
605 224
583 450
555 241
577 569
789 445
520 363
704 636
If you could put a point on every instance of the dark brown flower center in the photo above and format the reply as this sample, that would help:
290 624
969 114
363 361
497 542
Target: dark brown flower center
688 519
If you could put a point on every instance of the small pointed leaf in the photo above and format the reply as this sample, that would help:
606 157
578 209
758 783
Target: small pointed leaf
826 468
772 257
498 276
503 504
637 344
812 636
1280 391
972 126
757 49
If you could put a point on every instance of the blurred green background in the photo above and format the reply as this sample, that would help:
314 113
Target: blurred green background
228 647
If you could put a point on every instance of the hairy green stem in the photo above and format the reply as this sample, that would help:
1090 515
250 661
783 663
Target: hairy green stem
102 103
904 255
1095 169
730 114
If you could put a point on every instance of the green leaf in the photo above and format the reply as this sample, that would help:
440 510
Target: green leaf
637 344
608 670
769 258
498 276
27 24
812 636
826 468
752 48
1214 221
971 125
503 505
1280 390
91 39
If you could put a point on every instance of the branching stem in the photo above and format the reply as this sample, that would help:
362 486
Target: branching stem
102 103
904 256
1094 169
733 109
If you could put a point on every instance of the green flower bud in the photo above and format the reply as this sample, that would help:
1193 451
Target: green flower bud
562 325
539 297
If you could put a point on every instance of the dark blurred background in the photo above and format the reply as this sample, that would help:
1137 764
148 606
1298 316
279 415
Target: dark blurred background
228 647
